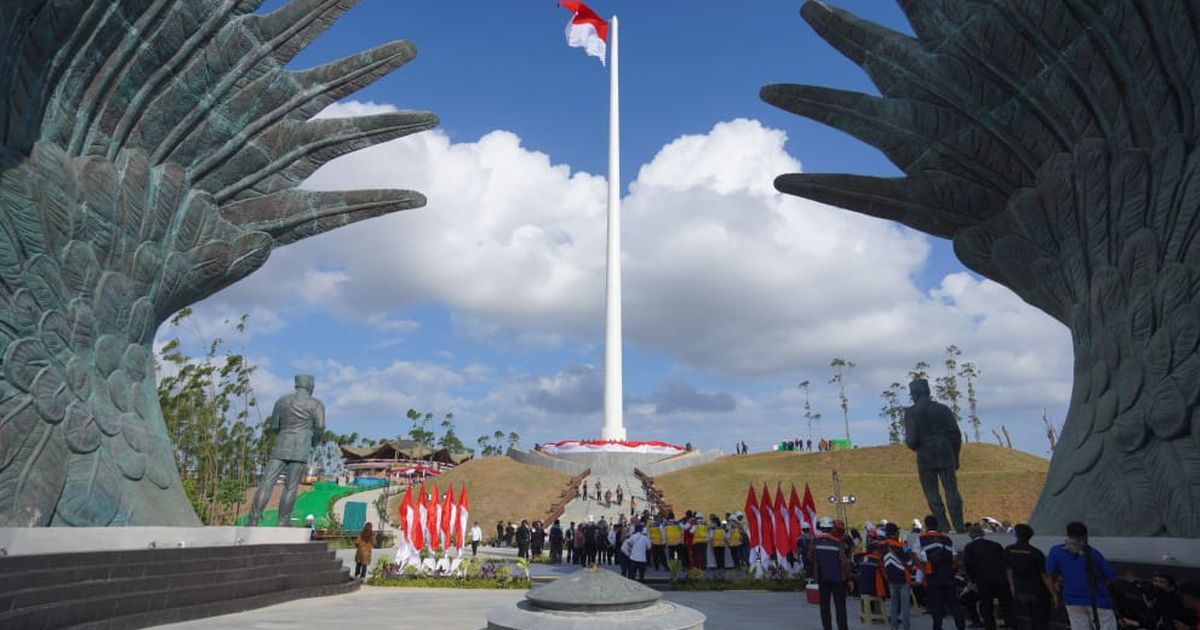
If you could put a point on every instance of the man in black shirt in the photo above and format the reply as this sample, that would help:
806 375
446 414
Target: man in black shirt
1026 564
983 560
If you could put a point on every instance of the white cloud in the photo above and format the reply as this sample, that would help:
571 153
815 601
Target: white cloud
723 276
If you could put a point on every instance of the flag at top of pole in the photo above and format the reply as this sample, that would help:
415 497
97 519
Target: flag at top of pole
586 30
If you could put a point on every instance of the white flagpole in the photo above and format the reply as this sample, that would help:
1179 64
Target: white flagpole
614 426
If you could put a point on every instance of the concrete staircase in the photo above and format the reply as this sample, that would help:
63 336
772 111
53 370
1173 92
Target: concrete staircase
147 587
579 509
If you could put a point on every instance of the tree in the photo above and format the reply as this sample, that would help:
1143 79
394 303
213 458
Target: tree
513 439
809 415
893 412
208 406
920 370
946 387
449 439
969 373
840 367
420 427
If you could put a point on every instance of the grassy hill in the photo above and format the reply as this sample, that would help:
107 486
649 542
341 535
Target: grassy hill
500 488
994 481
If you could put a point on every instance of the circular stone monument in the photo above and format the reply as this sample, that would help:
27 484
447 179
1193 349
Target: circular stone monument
594 598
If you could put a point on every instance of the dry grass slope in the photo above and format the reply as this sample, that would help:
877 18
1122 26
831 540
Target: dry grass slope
500 488
994 481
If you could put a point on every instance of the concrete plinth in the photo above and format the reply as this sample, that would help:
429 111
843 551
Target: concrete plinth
24 541
595 599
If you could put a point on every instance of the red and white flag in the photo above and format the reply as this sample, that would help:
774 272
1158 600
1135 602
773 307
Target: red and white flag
767 523
586 30
752 529
460 533
784 541
434 518
810 510
418 527
796 514
448 518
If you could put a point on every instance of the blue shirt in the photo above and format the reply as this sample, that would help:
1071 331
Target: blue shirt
1073 570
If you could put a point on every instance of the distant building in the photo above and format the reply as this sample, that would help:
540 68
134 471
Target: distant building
400 458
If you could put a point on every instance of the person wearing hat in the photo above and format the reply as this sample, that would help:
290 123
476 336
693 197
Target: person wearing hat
831 563
898 562
983 561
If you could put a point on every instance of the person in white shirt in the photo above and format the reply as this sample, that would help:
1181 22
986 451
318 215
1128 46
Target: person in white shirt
639 546
476 536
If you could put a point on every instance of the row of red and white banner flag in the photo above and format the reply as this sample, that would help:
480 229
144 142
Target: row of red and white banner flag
432 522
774 526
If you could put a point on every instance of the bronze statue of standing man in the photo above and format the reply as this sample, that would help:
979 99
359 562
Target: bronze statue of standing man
298 419
931 430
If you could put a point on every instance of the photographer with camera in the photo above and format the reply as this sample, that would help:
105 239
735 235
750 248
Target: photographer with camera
1082 574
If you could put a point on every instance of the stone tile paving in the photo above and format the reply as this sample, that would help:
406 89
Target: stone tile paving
449 609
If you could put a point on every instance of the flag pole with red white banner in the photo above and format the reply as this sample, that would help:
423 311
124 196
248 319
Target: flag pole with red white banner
589 31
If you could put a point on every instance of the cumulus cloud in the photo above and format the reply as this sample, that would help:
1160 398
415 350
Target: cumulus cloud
723 276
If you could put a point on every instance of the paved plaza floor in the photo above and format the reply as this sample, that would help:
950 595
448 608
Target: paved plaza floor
452 609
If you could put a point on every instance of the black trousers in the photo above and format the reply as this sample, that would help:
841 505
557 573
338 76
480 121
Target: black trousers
987 596
837 591
522 550
637 570
1037 607
555 554
360 570
474 548
699 555
942 594
719 557
658 556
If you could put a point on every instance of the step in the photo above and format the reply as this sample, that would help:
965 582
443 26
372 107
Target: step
15 564
12 580
109 608
227 607
34 595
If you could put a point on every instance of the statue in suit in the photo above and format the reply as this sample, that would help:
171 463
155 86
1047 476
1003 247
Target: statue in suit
932 431
298 420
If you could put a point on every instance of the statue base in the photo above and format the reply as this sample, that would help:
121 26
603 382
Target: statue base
26 541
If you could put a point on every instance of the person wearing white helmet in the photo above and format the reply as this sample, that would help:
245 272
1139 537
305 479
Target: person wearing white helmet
831 564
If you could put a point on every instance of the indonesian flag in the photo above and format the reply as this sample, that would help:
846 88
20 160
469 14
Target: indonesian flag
460 533
752 518
406 514
586 30
810 510
449 518
783 536
767 522
433 517
418 526
796 515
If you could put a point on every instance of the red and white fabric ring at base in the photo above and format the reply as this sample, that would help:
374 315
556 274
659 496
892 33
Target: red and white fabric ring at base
597 446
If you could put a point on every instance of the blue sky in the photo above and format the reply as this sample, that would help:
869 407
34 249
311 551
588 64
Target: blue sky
488 303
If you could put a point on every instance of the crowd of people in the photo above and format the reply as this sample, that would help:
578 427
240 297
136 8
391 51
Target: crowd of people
986 581
821 445
976 585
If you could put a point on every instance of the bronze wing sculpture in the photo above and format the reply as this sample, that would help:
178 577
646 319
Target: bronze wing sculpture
150 155
1055 142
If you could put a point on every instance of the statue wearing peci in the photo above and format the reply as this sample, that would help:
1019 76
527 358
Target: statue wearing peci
931 429
297 420
150 154
1057 144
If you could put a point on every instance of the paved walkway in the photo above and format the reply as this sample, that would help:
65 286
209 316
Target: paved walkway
368 497
451 609
579 509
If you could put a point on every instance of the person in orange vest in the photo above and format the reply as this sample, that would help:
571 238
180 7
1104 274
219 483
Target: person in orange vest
898 562
937 551
830 561
673 535
699 546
